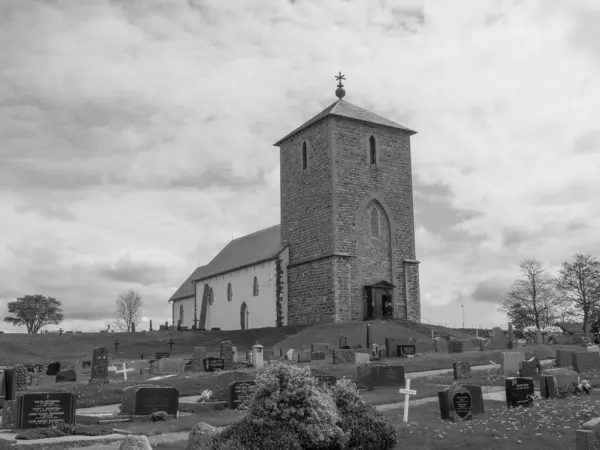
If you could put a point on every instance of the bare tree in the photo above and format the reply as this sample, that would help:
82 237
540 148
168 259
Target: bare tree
129 310
579 284
533 297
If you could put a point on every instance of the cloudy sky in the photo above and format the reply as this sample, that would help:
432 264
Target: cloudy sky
136 136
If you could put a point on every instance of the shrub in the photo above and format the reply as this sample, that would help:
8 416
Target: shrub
249 434
159 415
39 433
367 427
287 406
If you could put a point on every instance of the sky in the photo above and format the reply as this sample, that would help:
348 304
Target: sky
136 137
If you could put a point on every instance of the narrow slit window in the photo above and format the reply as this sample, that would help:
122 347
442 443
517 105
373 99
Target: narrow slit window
374 223
255 287
372 151
304 156
229 292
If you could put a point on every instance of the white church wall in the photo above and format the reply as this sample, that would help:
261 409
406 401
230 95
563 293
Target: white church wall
285 260
188 311
226 314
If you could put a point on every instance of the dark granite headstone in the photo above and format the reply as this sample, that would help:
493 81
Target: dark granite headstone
564 358
318 356
53 368
455 346
211 364
476 398
99 365
404 350
586 362
9 383
160 355
548 386
530 368
68 375
379 375
519 391
328 380
153 399
44 409
239 392
455 403
198 359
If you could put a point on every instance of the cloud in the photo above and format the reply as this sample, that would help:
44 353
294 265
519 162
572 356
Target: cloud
491 290
148 126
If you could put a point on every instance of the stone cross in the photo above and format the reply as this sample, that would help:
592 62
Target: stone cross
116 344
142 356
124 371
171 344
407 391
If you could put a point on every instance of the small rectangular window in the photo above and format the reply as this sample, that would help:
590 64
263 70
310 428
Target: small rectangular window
304 156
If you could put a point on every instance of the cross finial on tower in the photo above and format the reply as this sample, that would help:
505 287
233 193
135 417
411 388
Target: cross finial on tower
340 92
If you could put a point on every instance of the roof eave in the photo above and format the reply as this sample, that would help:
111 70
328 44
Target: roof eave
233 269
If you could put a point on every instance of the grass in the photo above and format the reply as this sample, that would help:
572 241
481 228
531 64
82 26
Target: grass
548 425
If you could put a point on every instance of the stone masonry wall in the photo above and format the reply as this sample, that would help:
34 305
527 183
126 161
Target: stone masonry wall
311 292
306 197
389 182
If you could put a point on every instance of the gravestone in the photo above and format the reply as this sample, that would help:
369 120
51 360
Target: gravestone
566 380
461 369
455 403
318 356
144 400
319 347
476 398
198 359
593 348
586 362
211 364
519 391
538 337
499 341
391 346
548 386
53 368
291 355
9 383
455 346
564 358
343 341
545 339
530 368
44 409
440 345
510 362
99 365
68 375
9 414
2 388
161 355
380 375
404 350
362 358
226 352
304 356
240 392
343 356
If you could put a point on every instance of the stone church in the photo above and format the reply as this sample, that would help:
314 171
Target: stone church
345 248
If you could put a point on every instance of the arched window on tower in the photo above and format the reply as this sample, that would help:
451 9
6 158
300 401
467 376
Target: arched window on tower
374 222
372 151
304 156
255 287
229 292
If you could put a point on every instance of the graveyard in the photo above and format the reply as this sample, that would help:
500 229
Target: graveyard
437 391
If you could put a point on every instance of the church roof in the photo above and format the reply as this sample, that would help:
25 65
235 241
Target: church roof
344 109
244 251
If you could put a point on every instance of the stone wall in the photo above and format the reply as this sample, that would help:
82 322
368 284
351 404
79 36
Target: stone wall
310 293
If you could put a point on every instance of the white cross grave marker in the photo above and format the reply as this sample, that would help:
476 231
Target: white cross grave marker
407 391
124 371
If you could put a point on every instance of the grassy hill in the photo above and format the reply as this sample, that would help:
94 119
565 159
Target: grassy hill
44 348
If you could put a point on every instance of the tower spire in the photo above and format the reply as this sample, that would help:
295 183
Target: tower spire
340 92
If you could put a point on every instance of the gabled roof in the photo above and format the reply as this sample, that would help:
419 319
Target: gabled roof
244 251
344 109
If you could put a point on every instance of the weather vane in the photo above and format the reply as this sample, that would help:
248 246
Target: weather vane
340 92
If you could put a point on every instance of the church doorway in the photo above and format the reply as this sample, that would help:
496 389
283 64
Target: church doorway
379 299
244 316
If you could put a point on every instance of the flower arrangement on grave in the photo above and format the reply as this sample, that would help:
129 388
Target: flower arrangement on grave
585 387
206 396
159 415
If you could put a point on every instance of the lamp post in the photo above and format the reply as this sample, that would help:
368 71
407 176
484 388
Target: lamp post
463 316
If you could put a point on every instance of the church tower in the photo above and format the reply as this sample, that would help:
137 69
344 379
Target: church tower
347 216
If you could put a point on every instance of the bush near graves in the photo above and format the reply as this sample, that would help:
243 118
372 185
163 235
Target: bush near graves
367 426
290 410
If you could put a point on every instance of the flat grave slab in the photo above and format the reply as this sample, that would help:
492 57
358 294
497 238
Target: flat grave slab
108 442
